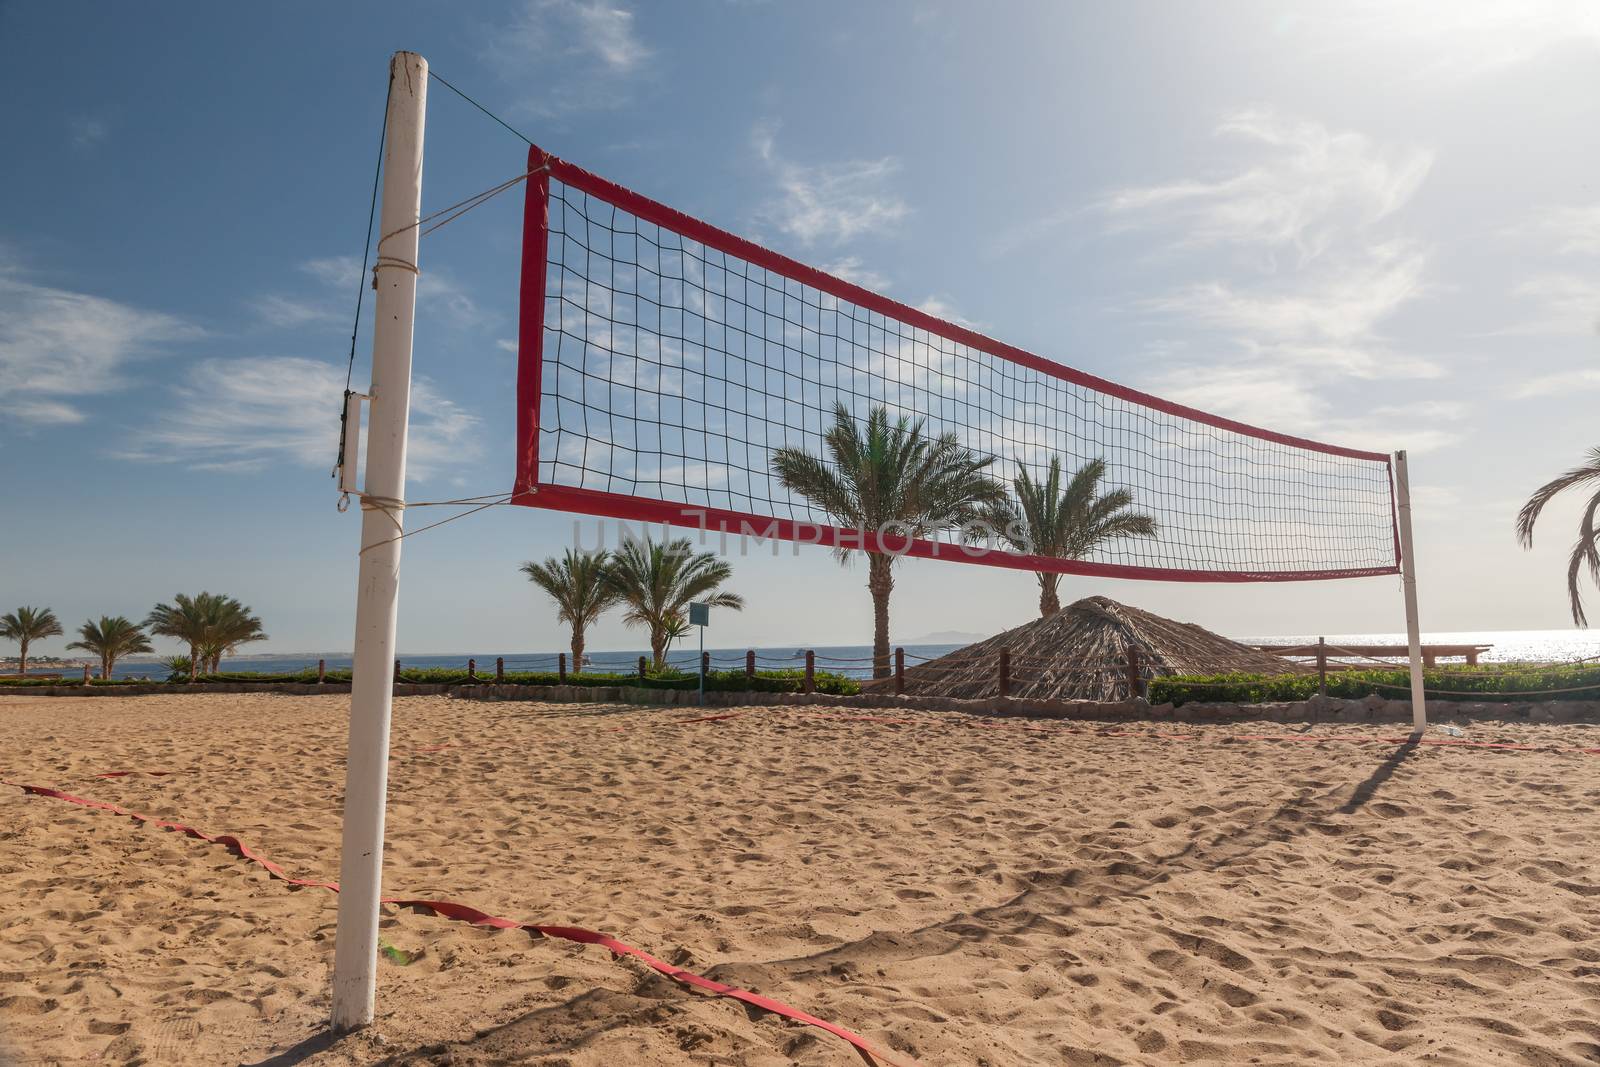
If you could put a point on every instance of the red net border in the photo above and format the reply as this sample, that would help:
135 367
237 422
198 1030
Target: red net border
530 492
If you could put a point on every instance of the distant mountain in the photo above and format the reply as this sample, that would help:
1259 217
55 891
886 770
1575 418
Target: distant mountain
947 637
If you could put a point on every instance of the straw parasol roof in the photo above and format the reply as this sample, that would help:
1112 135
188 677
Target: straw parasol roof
1080 653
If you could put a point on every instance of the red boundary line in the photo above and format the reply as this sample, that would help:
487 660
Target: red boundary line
869 1052
530 492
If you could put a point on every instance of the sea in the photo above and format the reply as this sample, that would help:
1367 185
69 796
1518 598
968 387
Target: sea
1543 646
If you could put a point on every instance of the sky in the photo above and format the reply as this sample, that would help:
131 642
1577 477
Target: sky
1375 224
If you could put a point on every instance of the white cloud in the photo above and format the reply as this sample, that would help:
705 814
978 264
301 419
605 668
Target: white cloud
44 412
940 308
852 270
1584 380
288 313
1567 304
507 344
442 296
250 413
1328 319
1440 45
584 53
87 133
1572 228
338 272
832 202
1307 185
57 343
1303 406
1284 336
604 30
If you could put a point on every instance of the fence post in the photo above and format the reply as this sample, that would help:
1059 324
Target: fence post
705 663
499 669
472 670
322 671
1135 678
750 664
1005 673
561 668
641 672
899 672
1322 667
811 671
397 670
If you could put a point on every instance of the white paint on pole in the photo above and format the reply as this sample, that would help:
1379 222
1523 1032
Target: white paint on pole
1408 579
378 585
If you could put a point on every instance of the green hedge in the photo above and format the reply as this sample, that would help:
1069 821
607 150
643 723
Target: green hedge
1492 682
785 681
35 683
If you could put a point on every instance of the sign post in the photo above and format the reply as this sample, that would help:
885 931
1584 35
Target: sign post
700 615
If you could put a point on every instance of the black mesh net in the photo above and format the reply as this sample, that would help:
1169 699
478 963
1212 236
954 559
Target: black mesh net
673 369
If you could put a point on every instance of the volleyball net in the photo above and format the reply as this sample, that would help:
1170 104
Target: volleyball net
663 362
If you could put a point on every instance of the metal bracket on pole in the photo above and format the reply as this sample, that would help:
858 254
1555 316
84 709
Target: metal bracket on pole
355 963
1408 581
350 466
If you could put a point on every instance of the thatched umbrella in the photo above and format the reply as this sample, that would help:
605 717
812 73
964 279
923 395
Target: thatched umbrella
1080 653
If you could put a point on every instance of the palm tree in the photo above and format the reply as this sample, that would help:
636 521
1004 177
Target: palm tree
658 582
1586 552
111 638
577 583
211 624
1070 523
25 626
231 624
889 478
185 620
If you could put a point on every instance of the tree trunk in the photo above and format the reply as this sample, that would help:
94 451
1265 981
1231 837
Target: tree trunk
22 657
880 583
577 650
106 663
194 661
1049 602
658 648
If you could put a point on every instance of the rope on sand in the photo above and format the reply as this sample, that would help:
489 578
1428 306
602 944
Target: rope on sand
870 1053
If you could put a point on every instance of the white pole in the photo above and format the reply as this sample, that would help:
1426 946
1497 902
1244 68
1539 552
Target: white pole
378 586
1408 579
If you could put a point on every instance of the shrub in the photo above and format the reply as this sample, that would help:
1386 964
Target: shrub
782 681
34 683
1491 682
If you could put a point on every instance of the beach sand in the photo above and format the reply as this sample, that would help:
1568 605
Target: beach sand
956 894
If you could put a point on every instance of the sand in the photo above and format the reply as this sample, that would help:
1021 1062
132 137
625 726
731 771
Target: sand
958 895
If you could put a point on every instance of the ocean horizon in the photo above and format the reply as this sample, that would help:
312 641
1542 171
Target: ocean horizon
856 660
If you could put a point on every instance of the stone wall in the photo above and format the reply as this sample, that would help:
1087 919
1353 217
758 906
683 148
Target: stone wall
1372 709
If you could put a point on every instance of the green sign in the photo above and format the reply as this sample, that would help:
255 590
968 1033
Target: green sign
700 614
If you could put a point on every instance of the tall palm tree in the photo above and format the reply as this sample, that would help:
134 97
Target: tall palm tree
658 582
1070 523
185 619
577 583
211 624
889 478
231 624
25 626
1586 552
111 638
